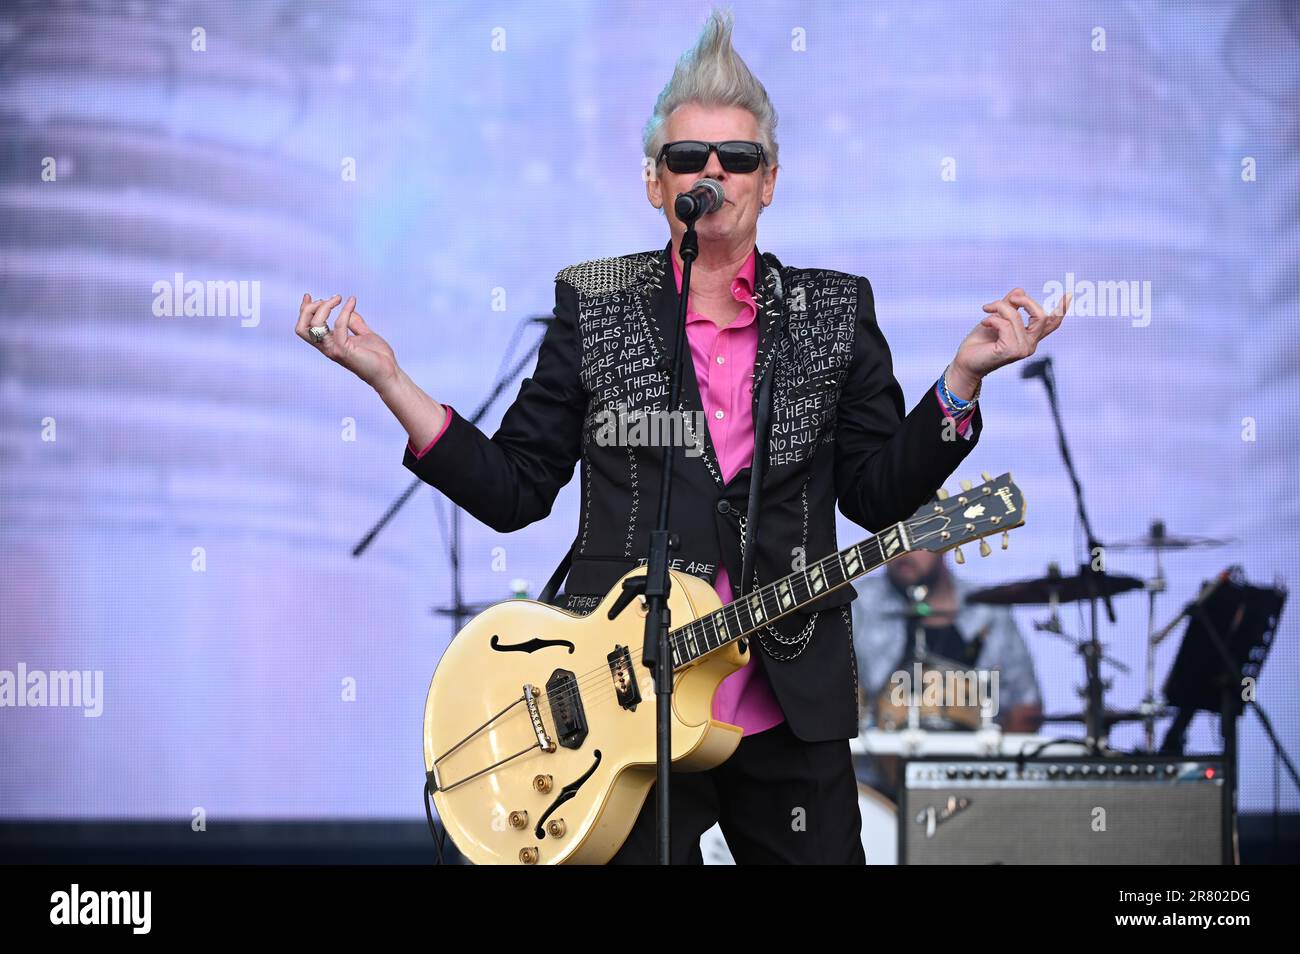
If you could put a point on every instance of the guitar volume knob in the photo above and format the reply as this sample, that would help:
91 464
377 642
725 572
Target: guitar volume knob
519 819
555 827
542 784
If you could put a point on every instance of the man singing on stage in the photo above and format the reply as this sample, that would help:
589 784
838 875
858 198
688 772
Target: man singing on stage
837 432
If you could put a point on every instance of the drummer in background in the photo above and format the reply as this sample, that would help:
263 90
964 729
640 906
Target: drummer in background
971 635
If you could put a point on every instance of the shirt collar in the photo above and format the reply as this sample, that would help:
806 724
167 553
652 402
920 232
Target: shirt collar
745 277
742 288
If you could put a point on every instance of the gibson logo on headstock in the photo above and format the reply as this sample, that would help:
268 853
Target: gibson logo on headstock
1004 494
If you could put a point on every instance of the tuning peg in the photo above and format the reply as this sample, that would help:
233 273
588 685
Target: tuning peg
941 494
1006 539
965 485
984 476
958 554
984 548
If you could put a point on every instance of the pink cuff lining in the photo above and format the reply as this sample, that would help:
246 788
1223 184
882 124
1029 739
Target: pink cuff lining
441 431
962 418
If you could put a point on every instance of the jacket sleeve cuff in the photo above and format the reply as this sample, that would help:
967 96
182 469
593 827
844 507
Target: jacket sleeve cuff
962 419
965 429
442 464
443 430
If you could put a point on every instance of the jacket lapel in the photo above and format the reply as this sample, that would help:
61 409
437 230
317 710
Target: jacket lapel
770 297
664 302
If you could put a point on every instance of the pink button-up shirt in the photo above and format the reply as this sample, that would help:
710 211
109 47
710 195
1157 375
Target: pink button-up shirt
724 368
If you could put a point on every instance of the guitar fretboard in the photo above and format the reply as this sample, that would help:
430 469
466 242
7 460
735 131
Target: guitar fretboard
755 610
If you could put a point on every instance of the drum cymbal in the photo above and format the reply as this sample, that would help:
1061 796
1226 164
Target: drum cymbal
1157 539
1067 589
1149 542
1110 716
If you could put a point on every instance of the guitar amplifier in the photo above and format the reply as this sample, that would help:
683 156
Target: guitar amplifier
1147 810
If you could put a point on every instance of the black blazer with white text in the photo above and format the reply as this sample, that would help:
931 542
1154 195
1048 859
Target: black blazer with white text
837 434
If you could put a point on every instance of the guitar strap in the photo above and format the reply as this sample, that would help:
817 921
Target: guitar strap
548 591
756 476
761 418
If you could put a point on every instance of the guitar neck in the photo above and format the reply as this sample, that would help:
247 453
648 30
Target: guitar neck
787 595
995 506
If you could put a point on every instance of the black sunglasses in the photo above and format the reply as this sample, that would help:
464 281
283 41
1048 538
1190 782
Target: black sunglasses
692 155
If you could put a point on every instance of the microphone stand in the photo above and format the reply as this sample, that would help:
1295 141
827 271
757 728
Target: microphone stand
655 652
459 610
920 653
656 583
1097 729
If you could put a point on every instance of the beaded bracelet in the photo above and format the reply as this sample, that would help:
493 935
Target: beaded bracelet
954 402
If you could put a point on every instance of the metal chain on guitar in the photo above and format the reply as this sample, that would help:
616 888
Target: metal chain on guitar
802 638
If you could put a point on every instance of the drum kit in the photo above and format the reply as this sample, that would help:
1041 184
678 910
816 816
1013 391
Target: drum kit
1090 585
914 729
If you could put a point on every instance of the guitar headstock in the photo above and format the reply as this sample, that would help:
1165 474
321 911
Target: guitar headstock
949 520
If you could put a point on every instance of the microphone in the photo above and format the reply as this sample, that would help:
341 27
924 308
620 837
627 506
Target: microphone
705 196
1036 369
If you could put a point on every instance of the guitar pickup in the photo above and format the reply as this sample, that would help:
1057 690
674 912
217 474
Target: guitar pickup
566 709
625 685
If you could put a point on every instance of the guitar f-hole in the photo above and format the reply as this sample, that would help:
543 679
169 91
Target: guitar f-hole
566 793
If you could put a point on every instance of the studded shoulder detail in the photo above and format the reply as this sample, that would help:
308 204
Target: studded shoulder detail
604 276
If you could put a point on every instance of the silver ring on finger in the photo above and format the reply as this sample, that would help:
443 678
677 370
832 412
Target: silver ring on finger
318 333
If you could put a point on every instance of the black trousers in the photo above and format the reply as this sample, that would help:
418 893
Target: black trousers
778 800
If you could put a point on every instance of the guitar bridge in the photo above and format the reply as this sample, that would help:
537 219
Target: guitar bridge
544 741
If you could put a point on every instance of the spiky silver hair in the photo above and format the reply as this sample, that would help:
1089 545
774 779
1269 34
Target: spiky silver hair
712 74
